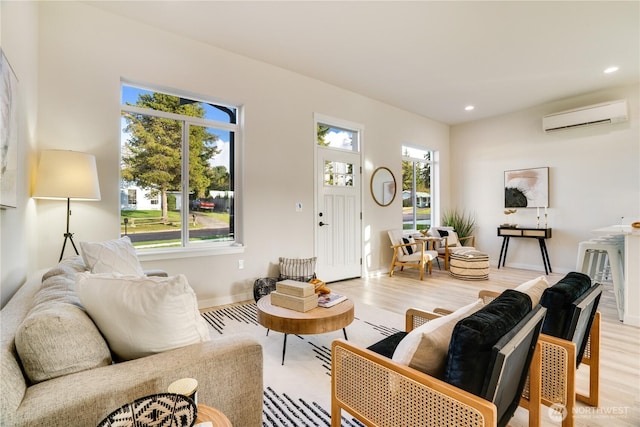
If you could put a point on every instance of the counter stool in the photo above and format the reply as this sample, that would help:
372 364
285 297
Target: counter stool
593 256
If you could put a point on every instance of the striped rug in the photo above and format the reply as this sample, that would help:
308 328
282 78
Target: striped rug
298 393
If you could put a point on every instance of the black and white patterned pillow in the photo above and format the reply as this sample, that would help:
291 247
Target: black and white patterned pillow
300 269
408 250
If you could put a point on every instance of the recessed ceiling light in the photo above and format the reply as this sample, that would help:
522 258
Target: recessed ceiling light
469 108
611 70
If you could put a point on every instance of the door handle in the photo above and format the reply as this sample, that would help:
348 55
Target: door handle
322 223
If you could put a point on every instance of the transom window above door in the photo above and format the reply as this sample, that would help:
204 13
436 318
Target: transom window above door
336 137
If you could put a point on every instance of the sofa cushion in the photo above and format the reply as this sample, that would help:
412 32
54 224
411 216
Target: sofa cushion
140 316
558 299
57 339
112 256
534 288
474 336
425 348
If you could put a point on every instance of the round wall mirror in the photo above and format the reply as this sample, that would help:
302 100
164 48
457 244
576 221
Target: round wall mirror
383 186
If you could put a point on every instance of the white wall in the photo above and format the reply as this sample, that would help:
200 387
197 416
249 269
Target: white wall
84 52
594 176
18 36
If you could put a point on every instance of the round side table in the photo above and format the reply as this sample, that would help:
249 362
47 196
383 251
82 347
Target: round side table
217 418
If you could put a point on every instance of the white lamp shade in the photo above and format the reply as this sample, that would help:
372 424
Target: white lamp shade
67 174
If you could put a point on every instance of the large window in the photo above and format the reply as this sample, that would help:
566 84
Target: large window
417 174
177 160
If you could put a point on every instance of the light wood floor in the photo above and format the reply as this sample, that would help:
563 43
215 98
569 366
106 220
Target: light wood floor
620 344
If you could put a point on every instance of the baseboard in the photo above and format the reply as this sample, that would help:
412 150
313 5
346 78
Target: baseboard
631 320
532 267
230 299
377 273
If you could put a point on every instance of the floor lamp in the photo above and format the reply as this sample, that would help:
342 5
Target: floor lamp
67 175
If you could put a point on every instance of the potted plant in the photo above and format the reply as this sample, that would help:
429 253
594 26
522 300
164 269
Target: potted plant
462 222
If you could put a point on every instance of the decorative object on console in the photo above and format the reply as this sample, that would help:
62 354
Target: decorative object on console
64 174
508 212
526 188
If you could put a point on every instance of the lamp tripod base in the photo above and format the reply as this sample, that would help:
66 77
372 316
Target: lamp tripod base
68 235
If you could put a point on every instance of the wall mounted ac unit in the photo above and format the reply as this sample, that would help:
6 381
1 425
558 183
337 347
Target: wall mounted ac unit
606 112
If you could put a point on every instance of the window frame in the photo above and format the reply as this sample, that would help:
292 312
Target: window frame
187 248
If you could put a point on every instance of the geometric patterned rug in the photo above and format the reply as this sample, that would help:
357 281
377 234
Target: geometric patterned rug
298 393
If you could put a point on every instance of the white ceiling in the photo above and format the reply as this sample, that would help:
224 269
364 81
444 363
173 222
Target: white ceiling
431 58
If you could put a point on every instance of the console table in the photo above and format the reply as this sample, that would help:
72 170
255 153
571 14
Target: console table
533 233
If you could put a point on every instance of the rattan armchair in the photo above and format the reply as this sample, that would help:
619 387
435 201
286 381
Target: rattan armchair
560 359
382 393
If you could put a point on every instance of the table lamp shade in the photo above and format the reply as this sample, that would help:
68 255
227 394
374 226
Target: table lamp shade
64 174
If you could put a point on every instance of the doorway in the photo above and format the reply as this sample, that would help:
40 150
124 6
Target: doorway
338 213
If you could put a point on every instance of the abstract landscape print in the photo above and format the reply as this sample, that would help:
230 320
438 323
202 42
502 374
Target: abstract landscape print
526 188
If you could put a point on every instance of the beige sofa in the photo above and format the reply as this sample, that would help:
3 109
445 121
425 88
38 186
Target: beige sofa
228 369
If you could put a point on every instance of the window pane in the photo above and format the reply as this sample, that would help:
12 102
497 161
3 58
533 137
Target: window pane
175 104
416 188
334 137
151 169
338 174
210 191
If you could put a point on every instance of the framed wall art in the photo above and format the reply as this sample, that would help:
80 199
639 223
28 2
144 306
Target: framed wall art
526 188
8 134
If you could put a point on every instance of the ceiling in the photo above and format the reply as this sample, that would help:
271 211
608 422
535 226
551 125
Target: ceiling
430 58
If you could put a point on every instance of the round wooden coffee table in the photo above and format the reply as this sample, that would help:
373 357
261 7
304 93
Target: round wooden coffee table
315 321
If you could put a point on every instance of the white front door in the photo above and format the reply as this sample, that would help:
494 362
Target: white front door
338 214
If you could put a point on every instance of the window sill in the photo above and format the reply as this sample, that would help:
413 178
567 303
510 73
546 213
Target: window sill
177 253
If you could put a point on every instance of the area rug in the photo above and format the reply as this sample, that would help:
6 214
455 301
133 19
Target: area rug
298 393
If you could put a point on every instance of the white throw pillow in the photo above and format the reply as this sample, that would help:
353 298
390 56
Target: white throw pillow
425 348
139 316
112 256
534 288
